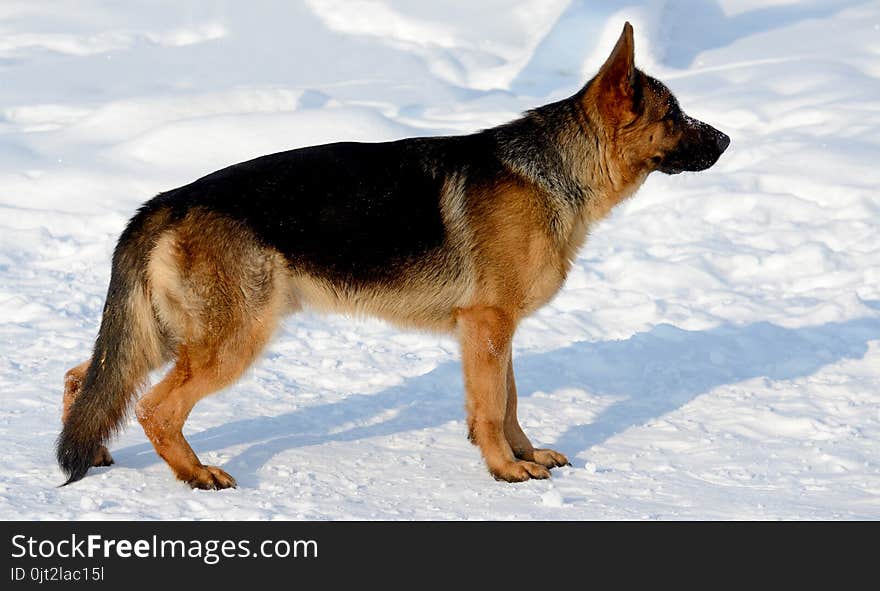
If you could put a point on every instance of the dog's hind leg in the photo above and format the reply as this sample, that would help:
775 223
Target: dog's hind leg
220 296
201 369
164 409
73 381
519 443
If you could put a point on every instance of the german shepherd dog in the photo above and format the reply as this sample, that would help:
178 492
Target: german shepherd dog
465 235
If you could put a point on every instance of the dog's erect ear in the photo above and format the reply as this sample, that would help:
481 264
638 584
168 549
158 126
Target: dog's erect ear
618 73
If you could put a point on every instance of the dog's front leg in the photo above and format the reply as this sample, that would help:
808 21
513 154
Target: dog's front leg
516 437
486 335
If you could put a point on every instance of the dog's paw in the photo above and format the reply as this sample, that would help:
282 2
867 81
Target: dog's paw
102 457
519 471
550 459
210 478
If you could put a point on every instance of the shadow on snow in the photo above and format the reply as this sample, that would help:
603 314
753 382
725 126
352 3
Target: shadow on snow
650 374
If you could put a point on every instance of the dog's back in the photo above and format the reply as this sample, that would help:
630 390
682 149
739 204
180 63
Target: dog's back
353 211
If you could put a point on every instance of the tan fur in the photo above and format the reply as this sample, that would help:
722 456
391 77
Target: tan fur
148 337
73 381
520 445
486 335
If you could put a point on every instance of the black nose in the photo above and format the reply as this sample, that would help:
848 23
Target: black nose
722 140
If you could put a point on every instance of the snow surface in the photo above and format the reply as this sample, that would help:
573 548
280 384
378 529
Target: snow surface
714 354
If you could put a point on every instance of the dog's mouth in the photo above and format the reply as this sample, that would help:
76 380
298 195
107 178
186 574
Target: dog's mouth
698 150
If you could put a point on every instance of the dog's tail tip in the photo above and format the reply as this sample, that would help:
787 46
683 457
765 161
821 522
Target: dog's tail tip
75 460
70 480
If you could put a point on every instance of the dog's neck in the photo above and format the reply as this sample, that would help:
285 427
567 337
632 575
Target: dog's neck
564 152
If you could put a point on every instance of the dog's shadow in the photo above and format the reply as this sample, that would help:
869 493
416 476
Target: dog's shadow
649 374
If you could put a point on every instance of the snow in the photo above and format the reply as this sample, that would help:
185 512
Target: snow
714 354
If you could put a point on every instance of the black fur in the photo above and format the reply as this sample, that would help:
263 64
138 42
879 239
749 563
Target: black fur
353 212
701 145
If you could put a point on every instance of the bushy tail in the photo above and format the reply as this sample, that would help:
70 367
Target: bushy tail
127 348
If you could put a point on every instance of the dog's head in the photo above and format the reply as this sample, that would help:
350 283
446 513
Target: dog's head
646 126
